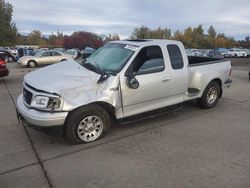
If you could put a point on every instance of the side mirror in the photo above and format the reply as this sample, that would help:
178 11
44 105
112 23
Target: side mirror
132 82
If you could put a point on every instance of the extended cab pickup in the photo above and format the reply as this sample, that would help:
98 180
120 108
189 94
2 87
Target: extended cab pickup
119 80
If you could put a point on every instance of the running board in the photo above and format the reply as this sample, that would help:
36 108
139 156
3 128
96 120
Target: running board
193 92
151 114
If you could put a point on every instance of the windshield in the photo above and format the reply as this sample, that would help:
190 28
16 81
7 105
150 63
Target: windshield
112 57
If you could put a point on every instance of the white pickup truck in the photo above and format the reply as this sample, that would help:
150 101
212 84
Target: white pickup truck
120 80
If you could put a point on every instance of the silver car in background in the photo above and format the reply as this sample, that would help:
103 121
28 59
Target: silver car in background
74 53
43 58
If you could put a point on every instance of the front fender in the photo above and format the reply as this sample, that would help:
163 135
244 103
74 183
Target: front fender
108 92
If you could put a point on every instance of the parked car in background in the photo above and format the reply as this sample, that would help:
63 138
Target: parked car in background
43 58
39 50
222 51
215 54
196 52
247 51
63 50
75 53
44 49
190 52
3 68
235 52
11 50
87 52
204 53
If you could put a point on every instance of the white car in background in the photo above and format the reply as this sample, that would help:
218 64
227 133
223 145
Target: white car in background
43 58
74 53
247 51
189 52
234 52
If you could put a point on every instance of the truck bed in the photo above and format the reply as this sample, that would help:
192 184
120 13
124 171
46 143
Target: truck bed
203 70
197 61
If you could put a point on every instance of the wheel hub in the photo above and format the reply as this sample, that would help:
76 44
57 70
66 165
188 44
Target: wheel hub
212 95
90 128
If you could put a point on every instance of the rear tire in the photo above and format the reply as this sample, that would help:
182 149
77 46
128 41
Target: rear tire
32 64
210 95
86 124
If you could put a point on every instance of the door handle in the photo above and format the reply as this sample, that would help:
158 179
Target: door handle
165 79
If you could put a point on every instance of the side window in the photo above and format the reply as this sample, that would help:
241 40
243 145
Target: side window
175 56
148 60
46 54
54 53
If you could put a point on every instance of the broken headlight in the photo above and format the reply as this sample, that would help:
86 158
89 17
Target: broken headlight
54 103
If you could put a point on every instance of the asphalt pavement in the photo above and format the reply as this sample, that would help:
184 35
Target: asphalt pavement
188 148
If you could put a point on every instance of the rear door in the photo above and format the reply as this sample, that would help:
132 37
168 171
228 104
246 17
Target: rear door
180 74
56 57
45 58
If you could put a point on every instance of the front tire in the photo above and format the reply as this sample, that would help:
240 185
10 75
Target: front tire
210 96
86 124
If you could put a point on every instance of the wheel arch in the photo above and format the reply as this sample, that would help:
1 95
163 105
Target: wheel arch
108 107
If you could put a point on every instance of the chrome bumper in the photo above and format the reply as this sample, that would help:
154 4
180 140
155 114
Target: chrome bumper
39 118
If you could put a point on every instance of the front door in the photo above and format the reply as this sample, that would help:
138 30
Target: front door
154 79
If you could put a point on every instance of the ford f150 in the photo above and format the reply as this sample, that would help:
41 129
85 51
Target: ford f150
119 80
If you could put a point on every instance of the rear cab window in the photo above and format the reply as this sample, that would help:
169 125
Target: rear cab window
175 56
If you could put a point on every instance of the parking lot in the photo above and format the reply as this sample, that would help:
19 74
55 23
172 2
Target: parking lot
188 148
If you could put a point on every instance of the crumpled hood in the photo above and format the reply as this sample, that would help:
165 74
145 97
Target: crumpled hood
75 84
60 77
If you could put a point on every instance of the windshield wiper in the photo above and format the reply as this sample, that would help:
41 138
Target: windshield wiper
97 70
90 67
101 72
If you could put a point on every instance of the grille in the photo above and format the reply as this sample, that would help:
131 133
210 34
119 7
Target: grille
27 96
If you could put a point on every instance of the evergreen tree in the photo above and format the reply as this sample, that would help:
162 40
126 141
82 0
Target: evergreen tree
8 29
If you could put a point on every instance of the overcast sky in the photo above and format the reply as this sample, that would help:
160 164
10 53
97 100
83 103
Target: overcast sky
122 16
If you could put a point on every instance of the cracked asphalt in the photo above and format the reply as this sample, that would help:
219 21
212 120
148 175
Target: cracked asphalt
188 148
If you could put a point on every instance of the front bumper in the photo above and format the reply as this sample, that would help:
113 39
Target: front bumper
39 118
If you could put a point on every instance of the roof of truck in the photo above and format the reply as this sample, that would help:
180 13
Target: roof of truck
146 42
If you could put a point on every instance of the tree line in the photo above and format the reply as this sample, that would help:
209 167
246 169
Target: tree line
80 39
191 37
